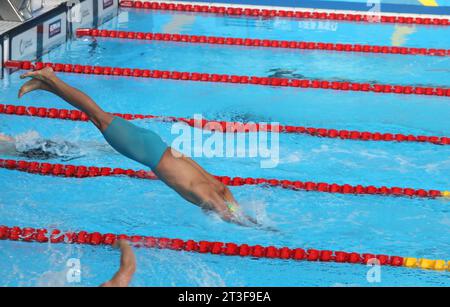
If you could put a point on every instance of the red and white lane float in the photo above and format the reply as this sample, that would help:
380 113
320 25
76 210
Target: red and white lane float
55 236
235 79
82 171
262 43
232 127
300 13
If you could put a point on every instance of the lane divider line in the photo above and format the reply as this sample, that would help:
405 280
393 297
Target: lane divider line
231 127
267 43
293 14
55 236
235 79
81 171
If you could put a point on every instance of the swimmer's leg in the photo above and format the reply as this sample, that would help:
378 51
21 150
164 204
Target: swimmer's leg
81 101
141 145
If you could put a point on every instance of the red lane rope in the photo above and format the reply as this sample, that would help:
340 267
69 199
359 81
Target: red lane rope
269 43
270 13
230 127
237 79
55 236
66 170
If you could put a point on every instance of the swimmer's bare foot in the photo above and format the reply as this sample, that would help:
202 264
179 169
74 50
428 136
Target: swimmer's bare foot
40 80
32 85
46 74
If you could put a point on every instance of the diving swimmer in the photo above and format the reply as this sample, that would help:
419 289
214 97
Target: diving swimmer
179 172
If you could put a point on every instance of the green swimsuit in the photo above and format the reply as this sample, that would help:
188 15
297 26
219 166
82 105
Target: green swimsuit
141 145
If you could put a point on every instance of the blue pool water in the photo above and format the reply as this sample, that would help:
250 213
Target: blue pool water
399 226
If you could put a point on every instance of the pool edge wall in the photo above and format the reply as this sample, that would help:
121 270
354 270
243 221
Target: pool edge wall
32 39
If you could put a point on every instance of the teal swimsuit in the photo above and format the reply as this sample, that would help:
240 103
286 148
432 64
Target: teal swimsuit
141 145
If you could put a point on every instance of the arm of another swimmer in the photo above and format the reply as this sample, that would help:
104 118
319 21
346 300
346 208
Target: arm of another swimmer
127 267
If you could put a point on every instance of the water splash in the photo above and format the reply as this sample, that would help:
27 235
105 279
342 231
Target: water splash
167 269
31 145
52 279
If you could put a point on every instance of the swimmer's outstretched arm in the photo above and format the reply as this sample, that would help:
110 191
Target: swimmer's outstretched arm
127 266
180 173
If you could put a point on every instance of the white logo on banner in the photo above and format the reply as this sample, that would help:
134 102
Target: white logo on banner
54 28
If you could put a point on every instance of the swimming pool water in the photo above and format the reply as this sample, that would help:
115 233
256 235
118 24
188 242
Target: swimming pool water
282 28
391 225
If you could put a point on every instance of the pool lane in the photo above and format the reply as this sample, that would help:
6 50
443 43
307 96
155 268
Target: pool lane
279 28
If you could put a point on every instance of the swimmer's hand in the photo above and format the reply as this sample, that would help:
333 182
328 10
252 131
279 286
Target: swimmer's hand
245 220
199 187
216 197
